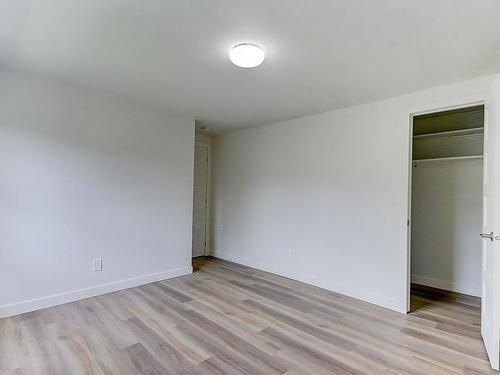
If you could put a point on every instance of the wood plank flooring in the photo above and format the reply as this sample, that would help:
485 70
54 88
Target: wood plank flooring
231 319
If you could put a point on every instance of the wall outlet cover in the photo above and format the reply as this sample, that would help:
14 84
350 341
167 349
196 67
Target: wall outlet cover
97 264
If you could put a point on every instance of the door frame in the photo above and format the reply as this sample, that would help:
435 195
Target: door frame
410 166
208 210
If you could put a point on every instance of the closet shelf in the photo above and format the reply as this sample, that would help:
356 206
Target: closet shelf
451 133
469 157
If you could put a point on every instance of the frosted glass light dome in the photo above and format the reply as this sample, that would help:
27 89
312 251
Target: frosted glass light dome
246 55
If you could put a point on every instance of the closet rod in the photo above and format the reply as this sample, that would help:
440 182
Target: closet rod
471 157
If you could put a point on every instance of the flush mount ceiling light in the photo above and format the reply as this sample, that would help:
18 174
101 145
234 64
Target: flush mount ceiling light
246 55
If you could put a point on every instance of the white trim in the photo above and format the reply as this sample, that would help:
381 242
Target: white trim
408 217
447 108
79 294
443 284
311 279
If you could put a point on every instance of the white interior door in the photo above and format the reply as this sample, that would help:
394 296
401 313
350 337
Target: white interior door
490 298
200 200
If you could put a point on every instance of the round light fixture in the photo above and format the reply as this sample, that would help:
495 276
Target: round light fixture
246 55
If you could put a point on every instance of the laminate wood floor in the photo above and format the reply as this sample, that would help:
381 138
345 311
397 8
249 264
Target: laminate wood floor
231 319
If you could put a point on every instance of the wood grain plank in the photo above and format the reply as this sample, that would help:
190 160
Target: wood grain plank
233 319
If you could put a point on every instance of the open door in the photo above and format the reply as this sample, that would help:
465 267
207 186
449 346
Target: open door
490 299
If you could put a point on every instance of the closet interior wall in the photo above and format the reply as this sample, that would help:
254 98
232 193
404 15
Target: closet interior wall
447 200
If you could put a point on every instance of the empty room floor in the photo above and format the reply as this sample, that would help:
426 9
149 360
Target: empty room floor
231 319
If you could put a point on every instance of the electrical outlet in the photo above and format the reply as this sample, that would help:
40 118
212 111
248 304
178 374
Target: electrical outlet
97 264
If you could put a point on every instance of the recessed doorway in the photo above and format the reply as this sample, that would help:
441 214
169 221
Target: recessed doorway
200 200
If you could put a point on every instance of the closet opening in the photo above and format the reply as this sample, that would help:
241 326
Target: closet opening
446 218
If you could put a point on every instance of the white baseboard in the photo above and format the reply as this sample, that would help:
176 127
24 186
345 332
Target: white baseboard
443 284
333 286
76 295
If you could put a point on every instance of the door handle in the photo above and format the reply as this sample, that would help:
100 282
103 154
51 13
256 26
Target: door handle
490 236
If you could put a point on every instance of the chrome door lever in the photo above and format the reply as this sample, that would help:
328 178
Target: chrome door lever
490 236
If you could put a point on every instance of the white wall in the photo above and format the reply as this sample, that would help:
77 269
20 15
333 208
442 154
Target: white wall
446 222
82 176
324 198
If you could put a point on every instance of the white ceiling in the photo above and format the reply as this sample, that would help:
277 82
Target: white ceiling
321 54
